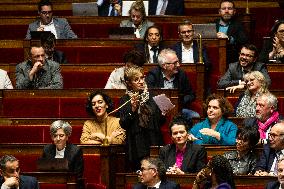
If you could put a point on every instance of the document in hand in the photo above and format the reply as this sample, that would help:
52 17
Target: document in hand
164 103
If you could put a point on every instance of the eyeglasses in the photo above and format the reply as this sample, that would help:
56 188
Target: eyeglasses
140 171
247 55
175 63
46 12
273 135
188 31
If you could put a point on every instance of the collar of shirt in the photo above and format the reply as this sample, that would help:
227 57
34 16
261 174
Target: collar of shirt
223 24
170 80
186 49
60 153
158 184
49 24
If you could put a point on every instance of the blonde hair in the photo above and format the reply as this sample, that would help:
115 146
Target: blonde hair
260 78
131 72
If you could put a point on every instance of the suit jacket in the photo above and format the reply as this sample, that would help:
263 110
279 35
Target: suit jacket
49 77
235 73
145 25
59 56
143 48
155 79
266 159
26 182
63 29
103 9
5 82
72 153
174 7
266 49
164 185
273 185
178 49
237 33
194 158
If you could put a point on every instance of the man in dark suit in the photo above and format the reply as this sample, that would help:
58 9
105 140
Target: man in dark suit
10 177
153 44
230 28
153 175
109 7
182 156
247 63
267 164
47 41
280 175
171 7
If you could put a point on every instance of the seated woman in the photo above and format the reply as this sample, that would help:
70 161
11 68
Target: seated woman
217 174
140 117
256 85
116 78
216 128
137 19
273 49
60 131
102 126
243 160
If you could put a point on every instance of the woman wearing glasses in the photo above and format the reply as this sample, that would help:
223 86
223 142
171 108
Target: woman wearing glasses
140 117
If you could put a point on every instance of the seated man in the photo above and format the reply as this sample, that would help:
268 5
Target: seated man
153 175
5 82
109 7
230 28
166 7
266 115
280 172
48 43
237 70
58 26
152 45
10 175
38 72
267 164
182 156
116 78
168 75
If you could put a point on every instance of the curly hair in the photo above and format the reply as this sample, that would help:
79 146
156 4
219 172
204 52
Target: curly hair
223 170
260 78
106 98
224 104
138 5
250 135
60 124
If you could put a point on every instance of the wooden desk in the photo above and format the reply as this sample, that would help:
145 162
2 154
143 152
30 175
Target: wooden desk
70 179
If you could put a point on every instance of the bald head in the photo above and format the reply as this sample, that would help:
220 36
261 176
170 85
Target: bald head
276 136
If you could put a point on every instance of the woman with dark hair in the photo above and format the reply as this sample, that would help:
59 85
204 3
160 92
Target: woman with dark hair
273 48
216 128
102 126
218 174
243 159
140 117
137 19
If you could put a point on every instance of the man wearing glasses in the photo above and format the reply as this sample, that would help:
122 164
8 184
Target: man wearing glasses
153 175
272 152
58 26
247 63
228 27
10 177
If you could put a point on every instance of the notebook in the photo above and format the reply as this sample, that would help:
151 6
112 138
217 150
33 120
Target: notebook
122 33
55 164
38 34
206 30
85 9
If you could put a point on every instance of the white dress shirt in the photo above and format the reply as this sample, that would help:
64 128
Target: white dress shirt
50 27
187 54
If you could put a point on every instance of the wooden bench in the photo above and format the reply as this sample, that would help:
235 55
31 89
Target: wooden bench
126 181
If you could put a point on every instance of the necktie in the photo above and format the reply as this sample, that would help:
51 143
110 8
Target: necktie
155 57
112 12
163 9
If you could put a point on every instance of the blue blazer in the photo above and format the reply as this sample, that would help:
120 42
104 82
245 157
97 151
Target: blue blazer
26 182
273 185
266 159
174 7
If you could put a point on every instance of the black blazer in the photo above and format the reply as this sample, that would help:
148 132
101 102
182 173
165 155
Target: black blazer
59 57
178 49
26 182
72 153
194 159
273 185
174 7
266 159
164 185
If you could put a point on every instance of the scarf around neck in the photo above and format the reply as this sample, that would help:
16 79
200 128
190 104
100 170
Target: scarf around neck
262 127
